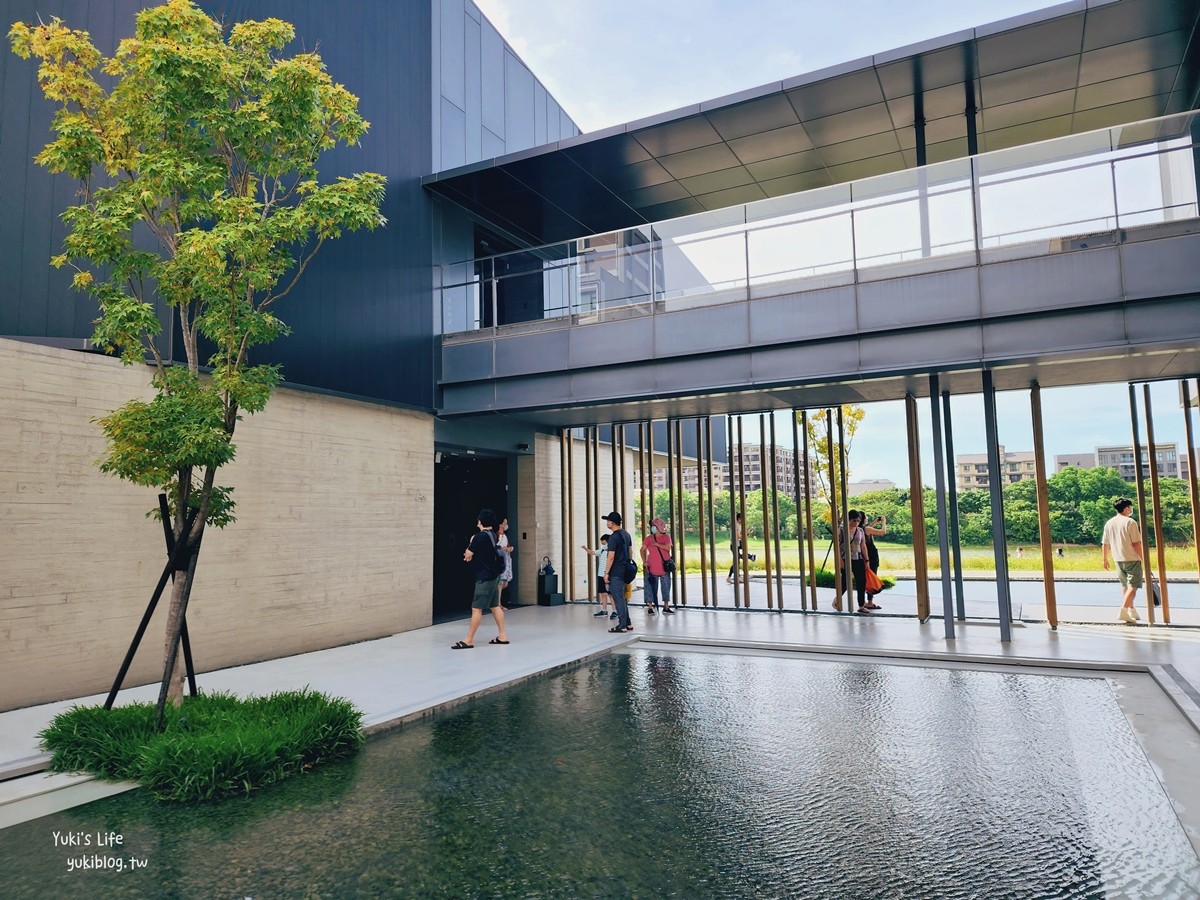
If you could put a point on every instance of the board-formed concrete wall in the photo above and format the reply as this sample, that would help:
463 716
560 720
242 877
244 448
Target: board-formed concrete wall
332 543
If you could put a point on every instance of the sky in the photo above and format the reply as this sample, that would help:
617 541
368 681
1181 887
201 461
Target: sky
621 60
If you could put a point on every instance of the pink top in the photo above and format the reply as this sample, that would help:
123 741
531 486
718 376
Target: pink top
658 548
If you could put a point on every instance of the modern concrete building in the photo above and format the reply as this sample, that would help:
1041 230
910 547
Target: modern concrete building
1005 205
1074 460
870 484
1121 458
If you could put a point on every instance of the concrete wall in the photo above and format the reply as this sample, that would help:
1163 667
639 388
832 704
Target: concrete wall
327 490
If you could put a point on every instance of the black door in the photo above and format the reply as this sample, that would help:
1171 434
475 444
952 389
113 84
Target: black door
462 486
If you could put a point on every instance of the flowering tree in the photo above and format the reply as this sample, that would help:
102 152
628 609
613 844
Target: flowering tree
196 152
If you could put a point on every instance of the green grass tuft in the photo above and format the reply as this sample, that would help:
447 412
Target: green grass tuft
214 745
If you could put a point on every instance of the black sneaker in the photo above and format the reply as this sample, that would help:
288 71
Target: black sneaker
649 610
667 611
753 557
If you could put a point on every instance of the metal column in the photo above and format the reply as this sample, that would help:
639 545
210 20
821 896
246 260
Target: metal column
916 502
767 521
775 515
589 534
1159 542
681 546
744 548
1045 538
955 541
1000 546
700 516
1140 481
712 518
808 528
1193 475
939 484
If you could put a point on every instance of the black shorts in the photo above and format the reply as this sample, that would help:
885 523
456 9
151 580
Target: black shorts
601 587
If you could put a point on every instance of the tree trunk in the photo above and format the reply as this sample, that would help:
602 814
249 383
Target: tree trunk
172 681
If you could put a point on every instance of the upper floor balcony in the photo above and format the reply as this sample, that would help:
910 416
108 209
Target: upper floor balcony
1085 221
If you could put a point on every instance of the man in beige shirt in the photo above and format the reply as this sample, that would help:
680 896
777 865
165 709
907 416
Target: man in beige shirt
1123 543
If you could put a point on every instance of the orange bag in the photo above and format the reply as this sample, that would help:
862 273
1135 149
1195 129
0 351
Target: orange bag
873 582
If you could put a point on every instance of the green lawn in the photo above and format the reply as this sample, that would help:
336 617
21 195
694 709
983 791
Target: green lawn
899 557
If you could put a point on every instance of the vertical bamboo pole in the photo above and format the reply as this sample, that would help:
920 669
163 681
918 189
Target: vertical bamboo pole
1043 502
1140 481
916 499
569 513
671 520
681 568
1159 543
734 566
623 503
1193 475
591 513
796 460
712 518
839 573
650 454
700 494
744 549
943 525
775 515
955 538
843 460
808 526
646 515
616 494
767 521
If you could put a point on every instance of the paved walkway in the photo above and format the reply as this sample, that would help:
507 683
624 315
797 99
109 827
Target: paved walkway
407 675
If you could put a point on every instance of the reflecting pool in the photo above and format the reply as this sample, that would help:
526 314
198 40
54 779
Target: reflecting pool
647 774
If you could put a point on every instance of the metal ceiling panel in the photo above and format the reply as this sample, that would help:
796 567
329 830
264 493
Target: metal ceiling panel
770 144
828 98
1075 67
765 114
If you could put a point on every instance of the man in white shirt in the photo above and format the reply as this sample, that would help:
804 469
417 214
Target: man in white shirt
1123 543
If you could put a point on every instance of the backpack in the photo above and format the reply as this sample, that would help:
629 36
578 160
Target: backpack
499 561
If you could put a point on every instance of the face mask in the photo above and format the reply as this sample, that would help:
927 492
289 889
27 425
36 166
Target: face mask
654 529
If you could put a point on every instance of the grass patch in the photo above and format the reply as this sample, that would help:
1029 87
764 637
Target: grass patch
214 745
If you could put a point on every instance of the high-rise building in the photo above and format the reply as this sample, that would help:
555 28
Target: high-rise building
972 471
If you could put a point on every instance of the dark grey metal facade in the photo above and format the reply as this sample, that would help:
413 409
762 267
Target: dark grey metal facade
361 317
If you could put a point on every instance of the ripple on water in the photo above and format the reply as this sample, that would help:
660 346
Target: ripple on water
652 775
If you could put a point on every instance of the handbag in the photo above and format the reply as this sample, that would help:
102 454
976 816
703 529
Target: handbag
873 582
668 562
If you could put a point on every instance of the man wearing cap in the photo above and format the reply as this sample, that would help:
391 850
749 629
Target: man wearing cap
620 544
1122 542
656 550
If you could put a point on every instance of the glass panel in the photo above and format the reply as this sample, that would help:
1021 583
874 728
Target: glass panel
1158 188
1035 206
805 254
711 268
460 307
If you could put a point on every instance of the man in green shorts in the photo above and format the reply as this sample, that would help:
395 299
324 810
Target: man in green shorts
1123 543
482 556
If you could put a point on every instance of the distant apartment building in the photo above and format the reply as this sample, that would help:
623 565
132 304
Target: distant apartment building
1166 460
752 478
855 488
972 471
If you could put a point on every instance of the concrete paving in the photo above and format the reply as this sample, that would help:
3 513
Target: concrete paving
408 675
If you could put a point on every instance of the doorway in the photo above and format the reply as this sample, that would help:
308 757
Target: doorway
462 485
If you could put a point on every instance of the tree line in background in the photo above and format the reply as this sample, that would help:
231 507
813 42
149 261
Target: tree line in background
1080 504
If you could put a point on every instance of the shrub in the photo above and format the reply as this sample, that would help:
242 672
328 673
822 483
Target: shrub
214 746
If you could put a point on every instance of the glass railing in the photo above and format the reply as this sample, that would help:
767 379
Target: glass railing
1032 200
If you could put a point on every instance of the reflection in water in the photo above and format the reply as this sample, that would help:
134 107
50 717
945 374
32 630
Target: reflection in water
695 775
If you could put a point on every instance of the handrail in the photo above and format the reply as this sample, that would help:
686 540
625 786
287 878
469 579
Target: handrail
969 186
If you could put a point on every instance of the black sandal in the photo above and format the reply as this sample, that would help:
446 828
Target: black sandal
616 629
462 645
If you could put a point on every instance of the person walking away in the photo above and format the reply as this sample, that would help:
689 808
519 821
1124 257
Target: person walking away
483 557
503 543
620 544
877 528
738 545
656 550
601 557
1122 543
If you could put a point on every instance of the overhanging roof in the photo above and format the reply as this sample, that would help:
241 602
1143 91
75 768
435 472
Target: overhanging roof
1068 69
